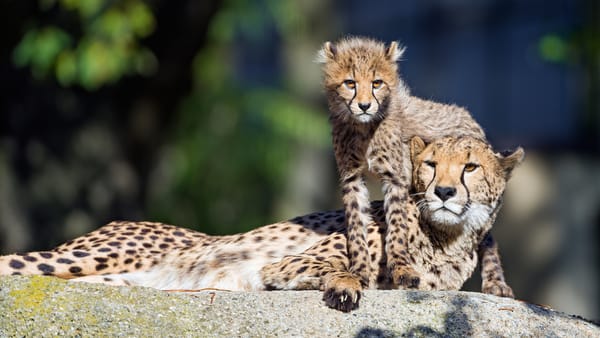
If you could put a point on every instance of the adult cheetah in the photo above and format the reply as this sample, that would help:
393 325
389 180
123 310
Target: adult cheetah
458 186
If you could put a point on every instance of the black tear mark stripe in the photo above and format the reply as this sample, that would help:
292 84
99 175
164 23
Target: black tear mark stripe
432 179
355 89
462 181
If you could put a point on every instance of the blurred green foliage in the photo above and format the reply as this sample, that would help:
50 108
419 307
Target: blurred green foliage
233 144
226 154
107 48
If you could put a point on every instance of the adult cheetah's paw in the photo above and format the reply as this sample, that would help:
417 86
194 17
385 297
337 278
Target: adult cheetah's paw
342 292
405 277
497 288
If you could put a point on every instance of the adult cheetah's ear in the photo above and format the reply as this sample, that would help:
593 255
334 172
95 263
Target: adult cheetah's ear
417 145
394 51
327 53
510 159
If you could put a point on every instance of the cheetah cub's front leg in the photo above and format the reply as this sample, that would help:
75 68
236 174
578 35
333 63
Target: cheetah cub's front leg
350 157
386 158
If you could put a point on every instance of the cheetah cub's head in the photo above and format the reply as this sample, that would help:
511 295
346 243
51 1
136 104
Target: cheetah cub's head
459 182
360 77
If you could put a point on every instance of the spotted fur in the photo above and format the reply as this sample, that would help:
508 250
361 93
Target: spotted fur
373 116
307 252
447 233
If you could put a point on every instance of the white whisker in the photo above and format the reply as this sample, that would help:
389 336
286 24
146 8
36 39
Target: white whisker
417 194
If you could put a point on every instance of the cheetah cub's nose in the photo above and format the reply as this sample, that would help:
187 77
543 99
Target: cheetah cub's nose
364 106
445 193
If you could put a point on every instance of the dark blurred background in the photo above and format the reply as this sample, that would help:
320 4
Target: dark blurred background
210 115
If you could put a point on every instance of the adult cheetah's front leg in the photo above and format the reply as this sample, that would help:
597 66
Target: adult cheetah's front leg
306 272
492 275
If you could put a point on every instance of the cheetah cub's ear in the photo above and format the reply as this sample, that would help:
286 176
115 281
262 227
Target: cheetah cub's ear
510 159
417 145
394 51
327 53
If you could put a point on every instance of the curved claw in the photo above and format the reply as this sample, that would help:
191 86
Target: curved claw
344 300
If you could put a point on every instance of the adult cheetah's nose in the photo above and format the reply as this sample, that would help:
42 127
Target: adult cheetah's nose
364 106
445 193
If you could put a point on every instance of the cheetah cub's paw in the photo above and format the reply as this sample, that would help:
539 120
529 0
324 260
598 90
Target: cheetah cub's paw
497 288
405 277
342 292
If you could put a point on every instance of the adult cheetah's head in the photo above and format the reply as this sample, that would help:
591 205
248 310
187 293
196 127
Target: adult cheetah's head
459 182
360 77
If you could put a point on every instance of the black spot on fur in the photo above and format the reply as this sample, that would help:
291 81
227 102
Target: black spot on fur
101 267
16 264
65 261
45 268
46 255
80 254
74 269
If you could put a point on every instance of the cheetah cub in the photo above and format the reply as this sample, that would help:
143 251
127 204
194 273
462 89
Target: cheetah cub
373 116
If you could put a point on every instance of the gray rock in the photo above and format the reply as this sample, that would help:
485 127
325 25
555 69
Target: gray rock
46 306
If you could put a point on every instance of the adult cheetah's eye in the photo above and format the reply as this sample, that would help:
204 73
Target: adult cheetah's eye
351 84
469 167
430 163
377 83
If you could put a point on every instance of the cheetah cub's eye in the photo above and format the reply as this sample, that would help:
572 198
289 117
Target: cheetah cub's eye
377 84
470 167
430 164
351 84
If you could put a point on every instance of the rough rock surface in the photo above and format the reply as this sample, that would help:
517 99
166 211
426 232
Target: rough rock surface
46 306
